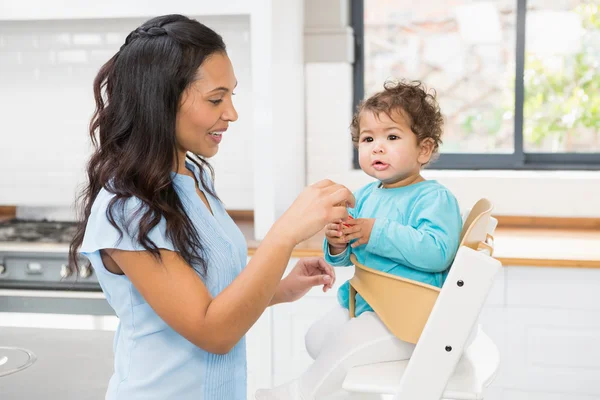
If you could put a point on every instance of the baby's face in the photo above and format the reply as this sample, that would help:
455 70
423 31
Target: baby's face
387 148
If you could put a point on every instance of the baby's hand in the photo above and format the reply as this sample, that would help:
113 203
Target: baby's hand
359 229
335 237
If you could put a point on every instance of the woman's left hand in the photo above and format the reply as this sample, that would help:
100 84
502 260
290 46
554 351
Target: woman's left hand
308 272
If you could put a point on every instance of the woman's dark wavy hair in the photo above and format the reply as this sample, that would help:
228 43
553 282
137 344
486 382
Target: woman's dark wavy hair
137 95
415 101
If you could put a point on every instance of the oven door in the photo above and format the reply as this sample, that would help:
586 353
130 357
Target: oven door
55 344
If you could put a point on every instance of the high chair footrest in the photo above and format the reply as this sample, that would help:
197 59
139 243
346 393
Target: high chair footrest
473 373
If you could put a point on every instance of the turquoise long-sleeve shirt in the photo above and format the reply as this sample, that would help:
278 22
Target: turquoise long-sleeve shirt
415 235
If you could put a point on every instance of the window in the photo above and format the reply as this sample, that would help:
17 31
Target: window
517 81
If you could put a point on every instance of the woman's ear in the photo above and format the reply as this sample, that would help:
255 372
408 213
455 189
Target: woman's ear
425 150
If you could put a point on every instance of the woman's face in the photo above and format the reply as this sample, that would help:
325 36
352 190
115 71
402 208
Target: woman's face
206 108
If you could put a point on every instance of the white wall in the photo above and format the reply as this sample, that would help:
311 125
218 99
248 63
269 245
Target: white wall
328 115
288 102
279 173
46 74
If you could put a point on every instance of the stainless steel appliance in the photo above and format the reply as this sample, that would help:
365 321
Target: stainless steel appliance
51 315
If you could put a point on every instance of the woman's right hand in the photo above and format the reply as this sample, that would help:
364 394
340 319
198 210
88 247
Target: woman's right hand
319 204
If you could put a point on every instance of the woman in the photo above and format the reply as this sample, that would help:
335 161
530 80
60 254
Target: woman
168 257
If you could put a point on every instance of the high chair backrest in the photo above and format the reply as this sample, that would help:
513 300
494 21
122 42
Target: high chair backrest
404 305
476 228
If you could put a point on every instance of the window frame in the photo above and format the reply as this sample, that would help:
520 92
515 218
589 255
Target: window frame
519 159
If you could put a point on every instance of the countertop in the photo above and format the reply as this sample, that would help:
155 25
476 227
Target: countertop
541 246
514 246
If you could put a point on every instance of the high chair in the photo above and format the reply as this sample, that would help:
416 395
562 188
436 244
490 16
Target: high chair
439 321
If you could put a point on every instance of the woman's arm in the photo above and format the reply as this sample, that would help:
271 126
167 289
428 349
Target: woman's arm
178 295
180 298
306 274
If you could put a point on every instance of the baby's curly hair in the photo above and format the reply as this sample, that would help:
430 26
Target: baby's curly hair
412 98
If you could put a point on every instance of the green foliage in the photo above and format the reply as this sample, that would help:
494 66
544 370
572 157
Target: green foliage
562 93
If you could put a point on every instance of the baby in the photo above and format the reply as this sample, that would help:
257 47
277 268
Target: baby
402 224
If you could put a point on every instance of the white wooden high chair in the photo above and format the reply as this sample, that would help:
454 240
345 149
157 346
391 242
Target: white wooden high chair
439 321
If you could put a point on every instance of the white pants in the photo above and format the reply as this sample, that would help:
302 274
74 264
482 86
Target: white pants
337 343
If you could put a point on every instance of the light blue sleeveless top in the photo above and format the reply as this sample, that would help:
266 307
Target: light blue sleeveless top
152 361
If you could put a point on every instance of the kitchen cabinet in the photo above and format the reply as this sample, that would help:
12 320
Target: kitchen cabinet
276 351
545 322
291 321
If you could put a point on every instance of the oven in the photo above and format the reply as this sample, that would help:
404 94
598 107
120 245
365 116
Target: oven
56 328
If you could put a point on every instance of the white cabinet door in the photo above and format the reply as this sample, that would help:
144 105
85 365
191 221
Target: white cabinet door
258 353
258 350
291 322
553 320
545 322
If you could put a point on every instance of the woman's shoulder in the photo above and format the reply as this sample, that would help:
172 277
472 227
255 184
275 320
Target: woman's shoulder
115 224
104 199
101 204
105 213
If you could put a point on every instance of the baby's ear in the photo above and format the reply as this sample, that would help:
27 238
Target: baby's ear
426 150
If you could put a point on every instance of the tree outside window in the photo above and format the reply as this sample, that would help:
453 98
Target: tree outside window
500 99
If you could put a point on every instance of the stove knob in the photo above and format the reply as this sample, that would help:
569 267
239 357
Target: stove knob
65 271
85 271
2 269
34 268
